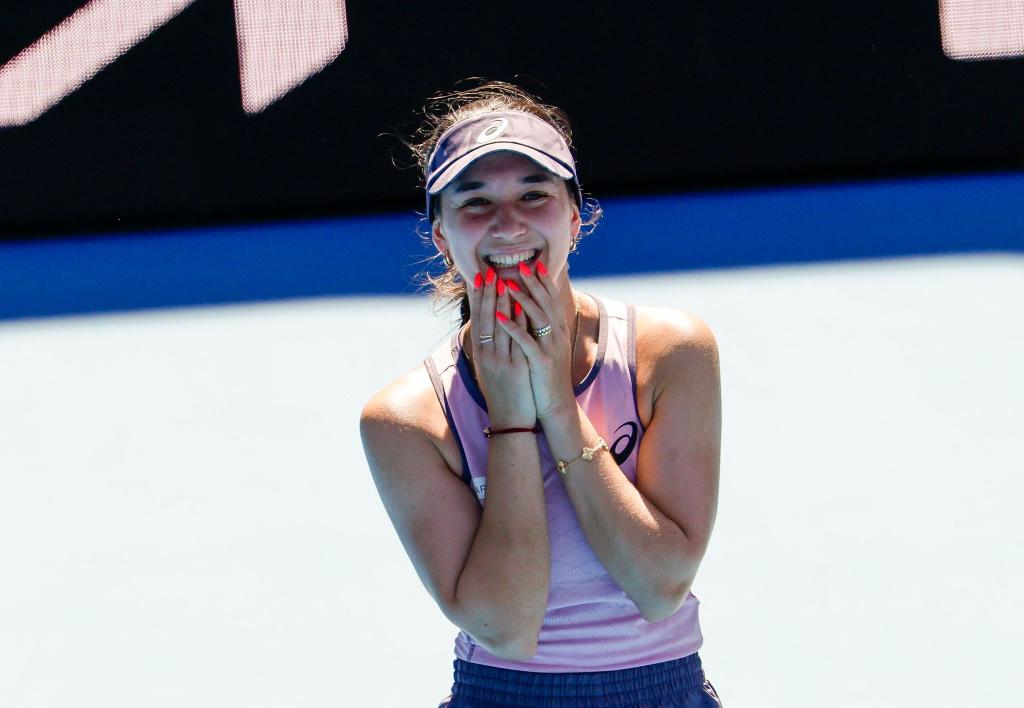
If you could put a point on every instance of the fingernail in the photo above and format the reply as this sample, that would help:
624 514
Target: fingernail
501 316
490 275
501 286
478 281
540 267
518 308
513 286
524 269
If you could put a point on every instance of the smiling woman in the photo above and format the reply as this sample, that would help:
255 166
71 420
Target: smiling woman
553 470
489 100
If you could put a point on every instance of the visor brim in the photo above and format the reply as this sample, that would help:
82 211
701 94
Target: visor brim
451 171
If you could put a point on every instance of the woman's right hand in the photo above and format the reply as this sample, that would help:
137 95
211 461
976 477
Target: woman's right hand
502 370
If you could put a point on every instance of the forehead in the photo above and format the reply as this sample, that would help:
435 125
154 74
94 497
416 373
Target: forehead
499 166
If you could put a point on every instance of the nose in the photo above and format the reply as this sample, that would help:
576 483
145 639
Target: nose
507 222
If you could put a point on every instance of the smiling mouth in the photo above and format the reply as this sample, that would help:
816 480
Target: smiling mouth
512 261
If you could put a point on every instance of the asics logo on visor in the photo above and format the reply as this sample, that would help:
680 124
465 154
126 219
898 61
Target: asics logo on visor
494 129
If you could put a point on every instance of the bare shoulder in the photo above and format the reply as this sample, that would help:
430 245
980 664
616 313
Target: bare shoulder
664 329
400 402
406 413
672 347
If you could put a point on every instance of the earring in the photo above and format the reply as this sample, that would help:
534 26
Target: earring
448 259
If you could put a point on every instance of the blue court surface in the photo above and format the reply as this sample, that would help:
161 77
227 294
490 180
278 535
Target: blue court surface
187 518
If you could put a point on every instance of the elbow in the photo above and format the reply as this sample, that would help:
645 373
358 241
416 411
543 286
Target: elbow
510 646
516 649
664 605
653 614
517 640
507 639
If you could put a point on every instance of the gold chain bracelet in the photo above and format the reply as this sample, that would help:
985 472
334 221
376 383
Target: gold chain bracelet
587 454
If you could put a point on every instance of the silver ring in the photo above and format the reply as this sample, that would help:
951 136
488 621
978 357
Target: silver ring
485 338
542 332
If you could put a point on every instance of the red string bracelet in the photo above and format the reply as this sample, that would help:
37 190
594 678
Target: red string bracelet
491 433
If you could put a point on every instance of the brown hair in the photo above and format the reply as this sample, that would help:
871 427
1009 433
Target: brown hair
441 112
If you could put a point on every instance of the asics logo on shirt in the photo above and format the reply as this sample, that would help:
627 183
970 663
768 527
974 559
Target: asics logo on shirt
622 446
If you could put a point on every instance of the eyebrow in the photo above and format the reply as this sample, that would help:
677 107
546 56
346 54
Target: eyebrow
535 178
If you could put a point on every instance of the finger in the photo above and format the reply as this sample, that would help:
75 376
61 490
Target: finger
539 290
521 337
488 296
475 288
542 315
483 318
544 279
535 313
474 291
536 319
519 317
501 338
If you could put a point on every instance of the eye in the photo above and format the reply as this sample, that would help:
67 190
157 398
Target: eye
534 196
474 202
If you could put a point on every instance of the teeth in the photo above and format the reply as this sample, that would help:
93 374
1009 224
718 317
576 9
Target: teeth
513 259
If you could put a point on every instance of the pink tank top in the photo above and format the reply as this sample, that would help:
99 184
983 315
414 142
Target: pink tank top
590 624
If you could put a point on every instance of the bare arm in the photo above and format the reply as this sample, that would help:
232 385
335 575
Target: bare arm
652 537
508 571
488 569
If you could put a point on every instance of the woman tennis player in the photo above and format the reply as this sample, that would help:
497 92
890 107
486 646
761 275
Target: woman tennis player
552 471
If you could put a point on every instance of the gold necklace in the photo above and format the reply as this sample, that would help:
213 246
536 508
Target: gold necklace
575 333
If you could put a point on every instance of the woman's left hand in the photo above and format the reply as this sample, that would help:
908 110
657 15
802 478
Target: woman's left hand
549 357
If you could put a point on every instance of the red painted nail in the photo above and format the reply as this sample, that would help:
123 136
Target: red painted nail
478 281
540 267
518 307
490 276
513 286
501 316
524 269
501 286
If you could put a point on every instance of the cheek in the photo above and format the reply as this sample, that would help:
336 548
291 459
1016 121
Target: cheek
462 243
561 228
467 223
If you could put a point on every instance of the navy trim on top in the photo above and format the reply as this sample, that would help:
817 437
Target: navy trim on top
442 398
463 366
602 346
631 358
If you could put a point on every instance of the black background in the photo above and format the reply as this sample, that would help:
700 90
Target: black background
678 97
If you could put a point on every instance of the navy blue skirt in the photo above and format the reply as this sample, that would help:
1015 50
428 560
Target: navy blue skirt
671 684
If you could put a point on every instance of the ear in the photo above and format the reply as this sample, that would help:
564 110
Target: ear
576 222
438 237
